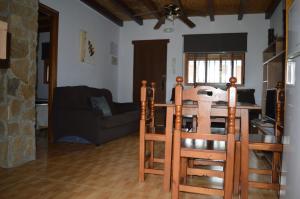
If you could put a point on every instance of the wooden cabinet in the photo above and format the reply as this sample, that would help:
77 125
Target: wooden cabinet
273 67
3 37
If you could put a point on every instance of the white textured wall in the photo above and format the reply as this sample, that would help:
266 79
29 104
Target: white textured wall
42 89
73 17
255 25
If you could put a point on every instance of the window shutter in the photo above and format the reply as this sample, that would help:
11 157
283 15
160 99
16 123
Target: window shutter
215 43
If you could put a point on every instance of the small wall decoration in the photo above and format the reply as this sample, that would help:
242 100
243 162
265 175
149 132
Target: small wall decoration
87 48
5 63
114 53
3 39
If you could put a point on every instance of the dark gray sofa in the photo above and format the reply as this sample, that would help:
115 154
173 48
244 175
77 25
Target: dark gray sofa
73 115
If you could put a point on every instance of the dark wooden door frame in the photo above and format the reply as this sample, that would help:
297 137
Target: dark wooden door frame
54 15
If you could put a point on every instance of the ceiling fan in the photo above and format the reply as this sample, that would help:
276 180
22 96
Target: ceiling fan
171 12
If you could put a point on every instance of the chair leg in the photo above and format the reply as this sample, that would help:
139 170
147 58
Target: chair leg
168 150
237 167
191 162
229 168
151 160
176 166
142 152
183 169
275 167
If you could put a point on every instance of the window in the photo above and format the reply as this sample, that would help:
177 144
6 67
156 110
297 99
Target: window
213 68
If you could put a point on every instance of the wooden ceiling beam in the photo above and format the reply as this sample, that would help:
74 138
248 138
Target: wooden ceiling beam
151 6
241 10
103 11
128 11
210 7
272 7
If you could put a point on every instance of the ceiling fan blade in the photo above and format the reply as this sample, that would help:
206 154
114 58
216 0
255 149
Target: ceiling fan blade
160 22
187 21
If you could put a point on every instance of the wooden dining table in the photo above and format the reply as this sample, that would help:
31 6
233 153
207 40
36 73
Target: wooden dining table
219 110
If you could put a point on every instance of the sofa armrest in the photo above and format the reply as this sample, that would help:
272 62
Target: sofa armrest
125 107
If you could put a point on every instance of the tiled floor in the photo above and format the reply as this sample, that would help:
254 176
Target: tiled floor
81 171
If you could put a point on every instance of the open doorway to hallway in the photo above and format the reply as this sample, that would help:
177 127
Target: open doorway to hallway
46 59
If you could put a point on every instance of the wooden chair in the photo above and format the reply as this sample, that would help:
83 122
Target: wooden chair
266 143
150 134
181 151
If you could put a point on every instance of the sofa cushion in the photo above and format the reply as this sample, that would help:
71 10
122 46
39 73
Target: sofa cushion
120 119
95 92
100 104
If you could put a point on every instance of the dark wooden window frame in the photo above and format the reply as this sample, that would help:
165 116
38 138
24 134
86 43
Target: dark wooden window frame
186 55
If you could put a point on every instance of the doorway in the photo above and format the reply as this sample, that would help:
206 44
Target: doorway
150 61
47 44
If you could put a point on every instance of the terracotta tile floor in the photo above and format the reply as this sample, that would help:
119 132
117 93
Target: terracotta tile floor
85 171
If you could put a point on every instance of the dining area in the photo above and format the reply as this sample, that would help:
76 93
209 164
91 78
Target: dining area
194 156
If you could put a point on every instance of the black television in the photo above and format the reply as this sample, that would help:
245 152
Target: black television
271 104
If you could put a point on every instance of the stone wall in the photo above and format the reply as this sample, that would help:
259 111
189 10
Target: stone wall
17 84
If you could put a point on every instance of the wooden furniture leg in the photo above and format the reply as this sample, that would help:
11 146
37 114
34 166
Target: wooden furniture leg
151 158
275 167
142 132
244 153
237 168
168 148
183 169
176 154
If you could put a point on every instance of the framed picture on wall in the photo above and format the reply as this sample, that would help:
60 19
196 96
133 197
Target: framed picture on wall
4 63
87 48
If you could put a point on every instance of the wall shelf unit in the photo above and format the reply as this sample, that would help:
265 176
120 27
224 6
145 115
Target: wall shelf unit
273 67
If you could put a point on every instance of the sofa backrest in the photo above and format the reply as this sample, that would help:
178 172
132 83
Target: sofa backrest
78 97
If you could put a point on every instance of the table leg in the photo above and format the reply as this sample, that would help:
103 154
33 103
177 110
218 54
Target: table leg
244 153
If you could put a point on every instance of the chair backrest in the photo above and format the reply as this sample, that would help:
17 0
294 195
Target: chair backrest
205 96
147 102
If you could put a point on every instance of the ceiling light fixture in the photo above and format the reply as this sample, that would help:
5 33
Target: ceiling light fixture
171 12
169 27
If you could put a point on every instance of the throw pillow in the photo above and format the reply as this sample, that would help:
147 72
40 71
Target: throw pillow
100 104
